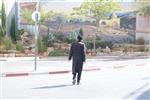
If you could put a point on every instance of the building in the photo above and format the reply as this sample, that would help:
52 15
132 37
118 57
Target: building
143 28
13 8
113 22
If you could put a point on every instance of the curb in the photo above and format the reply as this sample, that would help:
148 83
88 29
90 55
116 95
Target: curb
67 71
42 73
16 58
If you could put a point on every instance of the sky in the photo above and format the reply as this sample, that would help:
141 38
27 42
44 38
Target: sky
64 4
67 5
69 0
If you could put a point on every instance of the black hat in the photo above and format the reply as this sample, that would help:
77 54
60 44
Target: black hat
79 38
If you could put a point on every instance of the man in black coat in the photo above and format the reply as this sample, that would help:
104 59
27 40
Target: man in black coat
77 52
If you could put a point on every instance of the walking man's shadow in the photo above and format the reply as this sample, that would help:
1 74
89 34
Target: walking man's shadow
53 86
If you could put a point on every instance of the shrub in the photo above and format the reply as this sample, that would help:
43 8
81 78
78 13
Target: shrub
141 48
19 33
89 44
7 43
68 40
103 44
49 39
19 47
58 37
125 47
57 53
41 46
140 41
146 49
98 43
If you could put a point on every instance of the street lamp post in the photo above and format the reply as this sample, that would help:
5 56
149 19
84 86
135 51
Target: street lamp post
36 46
36 18
94 43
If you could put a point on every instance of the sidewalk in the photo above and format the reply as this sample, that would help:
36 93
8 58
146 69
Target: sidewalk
25 66
21 66
121 56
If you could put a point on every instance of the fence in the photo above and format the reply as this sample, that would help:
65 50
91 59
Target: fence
29 28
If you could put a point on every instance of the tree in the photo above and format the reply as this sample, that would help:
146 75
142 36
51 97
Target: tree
49 38
26 14
61 19
72 35
96 9
3 19
46 15
143 7
0 13
13 29
1 33
81 32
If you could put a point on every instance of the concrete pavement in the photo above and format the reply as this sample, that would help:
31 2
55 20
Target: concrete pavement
25 67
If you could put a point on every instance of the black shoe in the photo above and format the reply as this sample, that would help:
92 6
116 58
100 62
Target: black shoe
78 83
74 81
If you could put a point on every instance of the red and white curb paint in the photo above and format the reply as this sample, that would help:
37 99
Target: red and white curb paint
15 74
124 66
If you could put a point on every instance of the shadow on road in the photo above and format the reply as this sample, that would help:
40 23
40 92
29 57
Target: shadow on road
144 96
53 86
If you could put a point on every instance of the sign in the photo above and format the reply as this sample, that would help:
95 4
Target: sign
35 16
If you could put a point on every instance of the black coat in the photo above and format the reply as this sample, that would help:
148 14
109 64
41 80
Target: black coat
77 52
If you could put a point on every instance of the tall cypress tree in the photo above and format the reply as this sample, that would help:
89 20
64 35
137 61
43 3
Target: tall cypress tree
3 18
81 32
13 29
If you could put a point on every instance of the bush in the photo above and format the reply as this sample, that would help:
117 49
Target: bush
125 47
19 47
59 37
67 40
141 48
98 43
57 53
49 39
103 44
140 41
7 43
89 44
41 46
19 33
146 49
